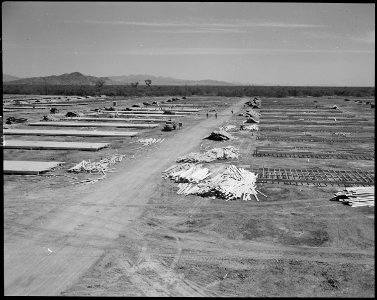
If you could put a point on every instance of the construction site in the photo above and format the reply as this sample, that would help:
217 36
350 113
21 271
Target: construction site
198 196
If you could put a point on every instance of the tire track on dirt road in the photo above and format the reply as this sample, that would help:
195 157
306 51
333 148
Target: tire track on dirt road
30 271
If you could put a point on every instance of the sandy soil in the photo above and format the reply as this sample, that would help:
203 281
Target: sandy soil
132 235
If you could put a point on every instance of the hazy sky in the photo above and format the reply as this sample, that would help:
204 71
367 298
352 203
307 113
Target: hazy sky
254 43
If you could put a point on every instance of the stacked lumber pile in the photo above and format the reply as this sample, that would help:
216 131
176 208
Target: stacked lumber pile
186 172
229 183
229 152
228 128
220 135
342 133
99 167
356 196
253 127
147 142
255 103
252 113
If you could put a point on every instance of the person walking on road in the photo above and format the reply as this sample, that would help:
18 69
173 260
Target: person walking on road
216 115
232 111
207 114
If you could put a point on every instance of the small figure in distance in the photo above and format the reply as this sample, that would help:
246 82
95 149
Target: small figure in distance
207 114
216 115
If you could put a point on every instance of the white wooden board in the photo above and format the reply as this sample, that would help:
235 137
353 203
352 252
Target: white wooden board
92 124
50 145
28 167
69 132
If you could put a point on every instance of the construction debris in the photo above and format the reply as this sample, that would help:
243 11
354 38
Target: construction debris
73 114
255 103
356 196
220 135
229 152
228 127
49 118
147 142
12 120
342 133
252 113
229 183
251 120
99 167
54 110
186 172
253 127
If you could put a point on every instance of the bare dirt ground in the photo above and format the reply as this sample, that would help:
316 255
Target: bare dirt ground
132 235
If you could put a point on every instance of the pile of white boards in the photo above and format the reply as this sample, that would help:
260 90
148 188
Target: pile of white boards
228 127
253 127
147 142
229 152
356 196
226 182
101 166
342 133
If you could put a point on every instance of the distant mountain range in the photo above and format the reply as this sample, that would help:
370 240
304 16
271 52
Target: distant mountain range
160 80
77 78
7 78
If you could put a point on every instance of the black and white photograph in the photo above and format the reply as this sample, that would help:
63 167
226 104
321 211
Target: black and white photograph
188 149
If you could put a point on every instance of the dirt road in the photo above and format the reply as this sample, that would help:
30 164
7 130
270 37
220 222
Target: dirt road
52 254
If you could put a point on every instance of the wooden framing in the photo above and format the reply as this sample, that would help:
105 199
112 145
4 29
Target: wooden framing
285 152
315 128
298 123
316 139
314 176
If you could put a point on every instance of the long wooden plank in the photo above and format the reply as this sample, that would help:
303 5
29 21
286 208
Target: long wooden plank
28 167
147 115
59 104
186 109
50 145
69 132
93 124
153 109
160 112
115 119
26 107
